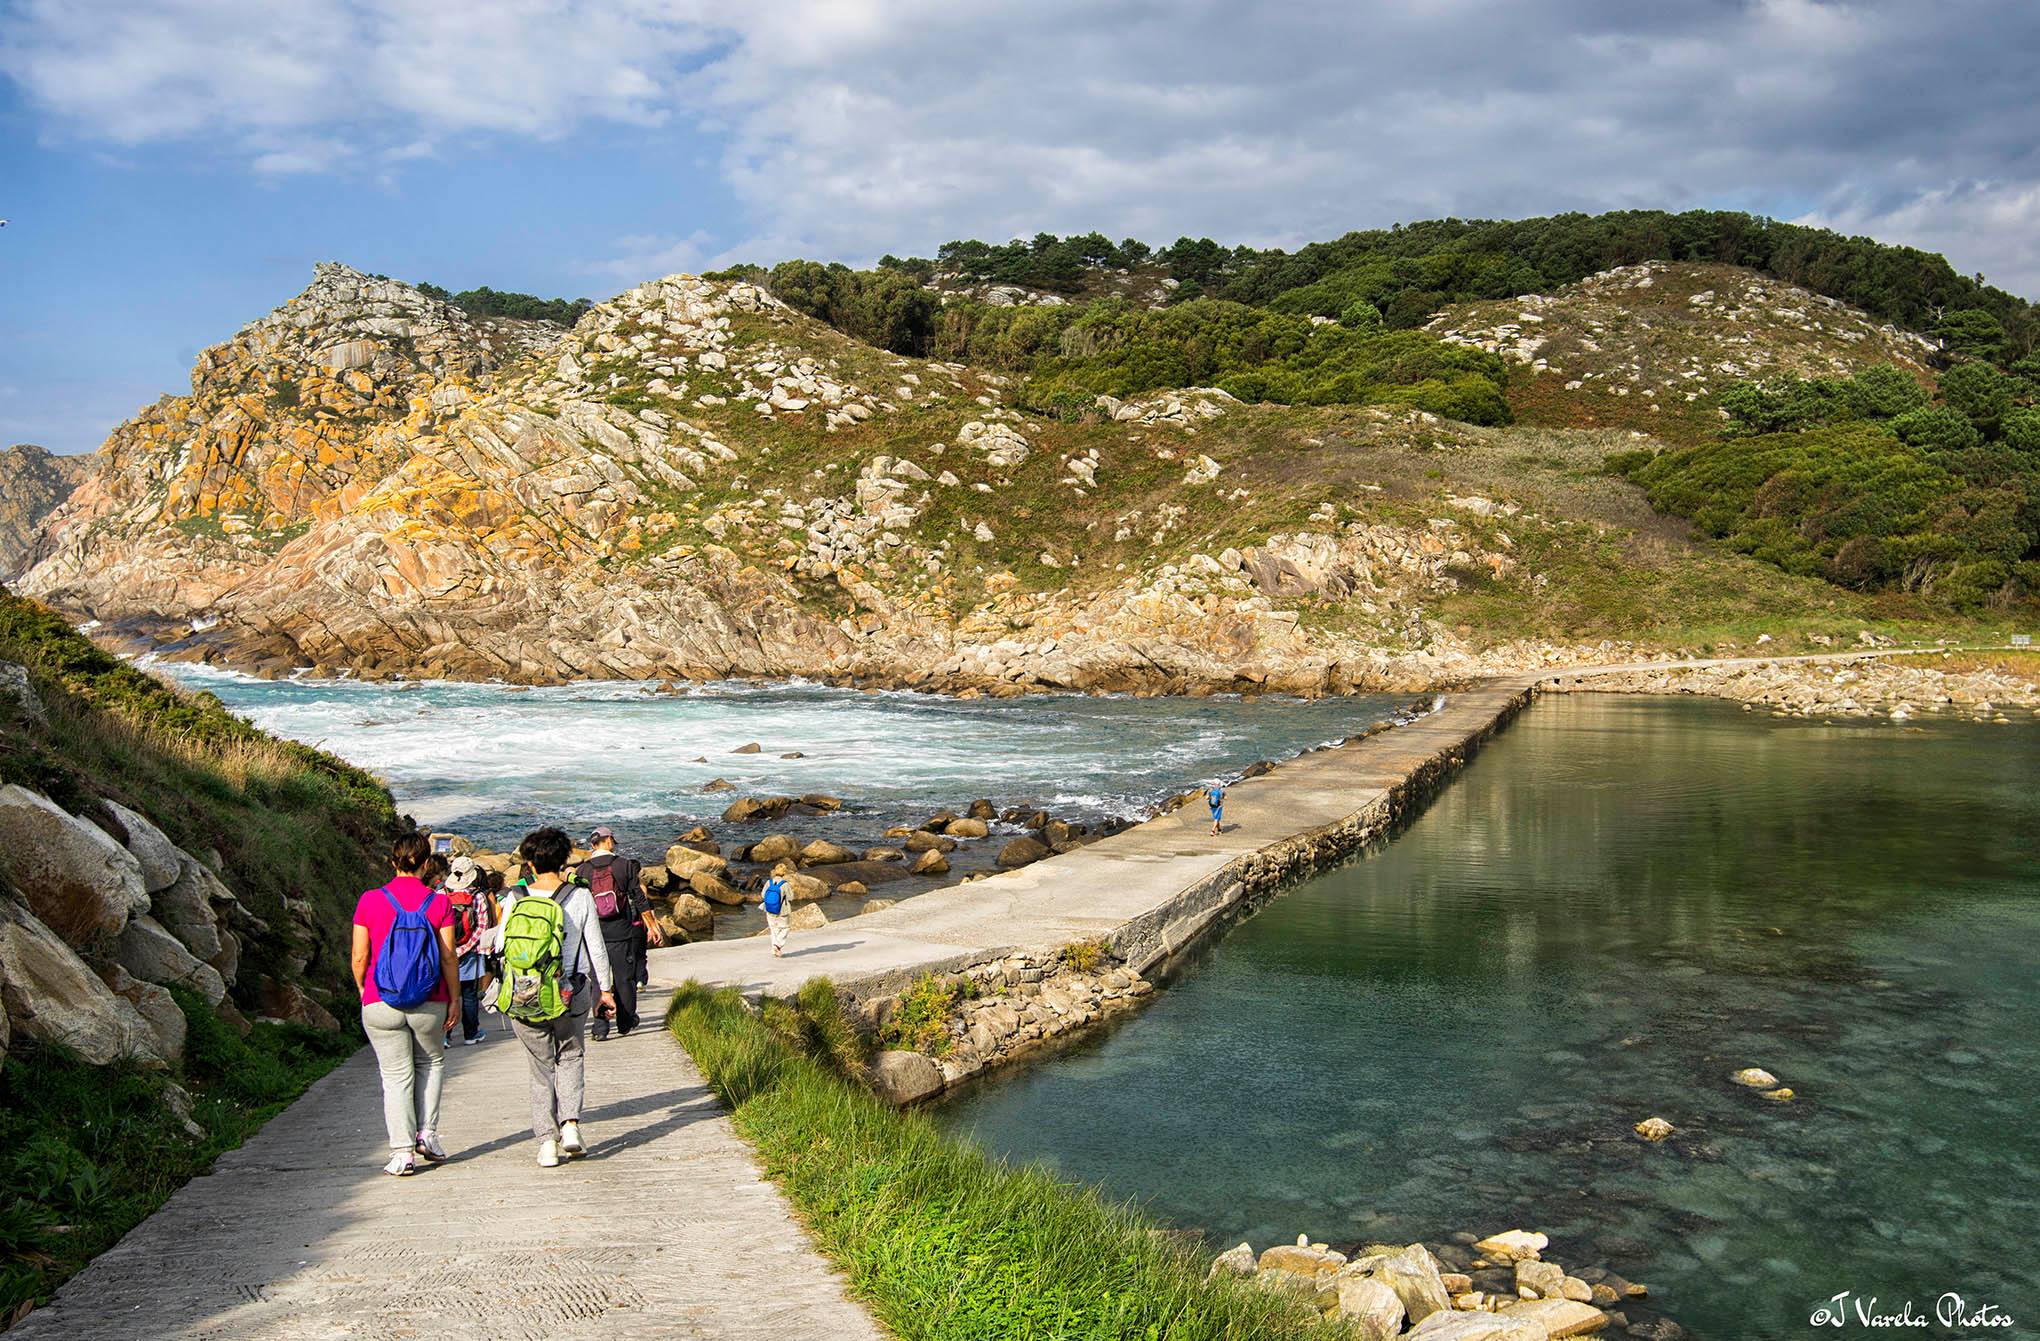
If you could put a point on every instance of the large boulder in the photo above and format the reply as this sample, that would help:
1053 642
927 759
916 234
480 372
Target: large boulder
902 1078
1413 1275
822 852
802 888
1370 1308
712 887
77 881
683 863
1557 1318
920 840
1022 851
1450 1326
930 862
288 1003
693 914
966 828
774 847
147 950
749 808
52 997
191 906
158 1009
807 917
157 854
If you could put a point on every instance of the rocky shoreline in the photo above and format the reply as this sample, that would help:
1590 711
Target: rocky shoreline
1942 684
1494 1288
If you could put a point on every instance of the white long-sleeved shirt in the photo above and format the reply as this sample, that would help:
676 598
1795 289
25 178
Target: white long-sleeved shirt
580 937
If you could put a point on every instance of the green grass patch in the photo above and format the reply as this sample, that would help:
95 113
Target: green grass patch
944 1242
87 1152
286 819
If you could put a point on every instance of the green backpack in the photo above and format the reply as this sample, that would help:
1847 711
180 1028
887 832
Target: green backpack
534 934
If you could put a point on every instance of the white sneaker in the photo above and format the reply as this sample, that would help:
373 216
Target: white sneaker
480 1034
570 1139
429 1147
548 1154
400 1165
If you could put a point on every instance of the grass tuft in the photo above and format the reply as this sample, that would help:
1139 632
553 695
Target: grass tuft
944 1242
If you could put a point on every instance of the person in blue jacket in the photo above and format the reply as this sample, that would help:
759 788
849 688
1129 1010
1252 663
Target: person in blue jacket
1215 798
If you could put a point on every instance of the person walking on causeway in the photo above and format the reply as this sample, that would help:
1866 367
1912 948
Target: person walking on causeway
628 926
403 959
555 972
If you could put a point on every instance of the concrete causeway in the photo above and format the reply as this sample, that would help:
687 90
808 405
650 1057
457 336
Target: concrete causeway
1149 891
666 1228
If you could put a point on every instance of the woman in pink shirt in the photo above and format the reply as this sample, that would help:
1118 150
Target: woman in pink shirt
410 1040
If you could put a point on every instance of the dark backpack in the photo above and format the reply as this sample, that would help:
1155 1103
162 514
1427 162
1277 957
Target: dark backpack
407 967
602 884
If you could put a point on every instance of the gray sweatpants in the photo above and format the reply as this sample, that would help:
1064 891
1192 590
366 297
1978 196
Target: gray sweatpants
398 1036
559 1072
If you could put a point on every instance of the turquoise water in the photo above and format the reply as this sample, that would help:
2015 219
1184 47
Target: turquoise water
493 761
1621 902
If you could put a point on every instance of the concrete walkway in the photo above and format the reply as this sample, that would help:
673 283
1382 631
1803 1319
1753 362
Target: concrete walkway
666 1229
1148 889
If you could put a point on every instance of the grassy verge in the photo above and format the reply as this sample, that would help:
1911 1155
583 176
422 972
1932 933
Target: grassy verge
286 819
943 1242
86 1152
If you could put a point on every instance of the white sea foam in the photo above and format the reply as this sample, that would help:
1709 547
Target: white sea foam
490 759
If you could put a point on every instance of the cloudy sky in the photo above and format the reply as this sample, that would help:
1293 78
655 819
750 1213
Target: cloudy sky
172 168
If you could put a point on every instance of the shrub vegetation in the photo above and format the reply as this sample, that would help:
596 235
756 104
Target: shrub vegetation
1868 483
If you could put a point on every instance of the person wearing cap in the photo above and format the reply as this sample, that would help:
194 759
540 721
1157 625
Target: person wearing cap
617 886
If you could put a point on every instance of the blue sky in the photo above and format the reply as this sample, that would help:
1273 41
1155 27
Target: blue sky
172 169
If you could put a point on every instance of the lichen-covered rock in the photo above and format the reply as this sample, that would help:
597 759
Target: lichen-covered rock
51 996
78 881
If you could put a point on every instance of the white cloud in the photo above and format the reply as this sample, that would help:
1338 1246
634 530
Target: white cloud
649 256
854 127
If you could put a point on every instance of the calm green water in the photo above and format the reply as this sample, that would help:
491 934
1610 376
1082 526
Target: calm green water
1622 901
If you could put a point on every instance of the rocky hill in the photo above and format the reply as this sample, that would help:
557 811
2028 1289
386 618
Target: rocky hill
32 485
1652 346
696 481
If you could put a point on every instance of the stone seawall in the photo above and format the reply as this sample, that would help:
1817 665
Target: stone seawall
1043 951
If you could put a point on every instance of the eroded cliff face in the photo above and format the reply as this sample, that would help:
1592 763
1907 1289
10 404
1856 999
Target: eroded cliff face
33 484
698 482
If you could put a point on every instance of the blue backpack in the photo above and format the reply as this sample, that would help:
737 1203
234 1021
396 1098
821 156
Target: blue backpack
407 966
775 895
1215 797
